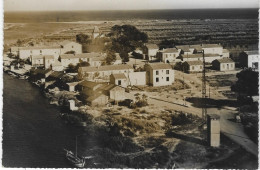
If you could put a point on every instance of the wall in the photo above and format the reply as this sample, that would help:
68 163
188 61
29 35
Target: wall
117 94
195 68
227 66
48 62
66 62
24 54
252 59
137 78
215 50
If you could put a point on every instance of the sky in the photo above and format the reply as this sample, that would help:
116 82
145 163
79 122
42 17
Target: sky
51 5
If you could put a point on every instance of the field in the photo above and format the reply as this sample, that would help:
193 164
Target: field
234 34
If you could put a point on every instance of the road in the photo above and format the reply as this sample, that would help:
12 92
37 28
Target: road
234 131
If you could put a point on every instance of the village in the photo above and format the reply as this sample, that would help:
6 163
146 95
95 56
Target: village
141 91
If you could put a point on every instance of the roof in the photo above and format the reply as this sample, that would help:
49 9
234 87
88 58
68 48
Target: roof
225 60
88 55
73 83
157 66
199 55
95 96
96 30
169 50
197 47
39 48
214 116
105 68
211 46
37 57
57 74
152 46
225 51
14 49
89 84
65 42
67 56
195 62
185 48
106 87
41 71
98 58
255 52
119 76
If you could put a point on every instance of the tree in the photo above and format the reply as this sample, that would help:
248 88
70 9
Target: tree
166 44
82 38
70 52
247 83
126 38
124 56
110 58
19 42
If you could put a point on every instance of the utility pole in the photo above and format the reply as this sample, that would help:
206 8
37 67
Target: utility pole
204 109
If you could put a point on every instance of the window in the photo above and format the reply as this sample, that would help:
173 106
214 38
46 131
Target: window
40 51
167 71
157 79
72 47
119 82
192 67
167 79
157 72
200 67
31 51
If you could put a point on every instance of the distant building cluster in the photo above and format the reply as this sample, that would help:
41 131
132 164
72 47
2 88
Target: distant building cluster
100 83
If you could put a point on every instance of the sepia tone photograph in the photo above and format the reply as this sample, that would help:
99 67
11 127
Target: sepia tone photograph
140 84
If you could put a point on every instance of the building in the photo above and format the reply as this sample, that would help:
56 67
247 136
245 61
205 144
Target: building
115 93
137 79
103 72
213 130
225 53
56 51
27 52
185 49
95 32
67 59
193 66
249 59
169 55
224 64
37 60
199 56
48 61
212 49
94 59
98 99
159 74
151 50
119 79
57 66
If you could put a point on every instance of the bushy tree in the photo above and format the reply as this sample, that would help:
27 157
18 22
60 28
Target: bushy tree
82 38
125 39
247 83
111 57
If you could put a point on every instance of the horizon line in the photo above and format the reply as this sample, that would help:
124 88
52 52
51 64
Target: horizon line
124 9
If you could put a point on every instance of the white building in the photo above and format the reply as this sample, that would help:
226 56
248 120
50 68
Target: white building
151 51
252 59
169 55
193 66
66 46
103 72
159 74
224 64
